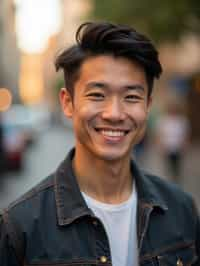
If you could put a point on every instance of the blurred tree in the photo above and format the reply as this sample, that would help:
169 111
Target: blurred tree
162 20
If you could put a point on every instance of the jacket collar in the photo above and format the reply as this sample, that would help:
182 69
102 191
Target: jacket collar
69 200
149 194
71 204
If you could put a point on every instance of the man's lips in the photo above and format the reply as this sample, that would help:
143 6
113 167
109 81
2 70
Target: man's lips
112 133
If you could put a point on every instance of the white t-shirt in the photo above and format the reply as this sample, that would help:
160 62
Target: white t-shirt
119 221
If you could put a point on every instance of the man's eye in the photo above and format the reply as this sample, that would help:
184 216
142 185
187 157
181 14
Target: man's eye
96 95
132 97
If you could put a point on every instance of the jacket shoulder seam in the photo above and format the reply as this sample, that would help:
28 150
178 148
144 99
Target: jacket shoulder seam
33 192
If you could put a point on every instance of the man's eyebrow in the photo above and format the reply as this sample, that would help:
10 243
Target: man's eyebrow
104 85
96 84
135 87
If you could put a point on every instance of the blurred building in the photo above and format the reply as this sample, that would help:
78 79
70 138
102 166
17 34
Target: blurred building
73 13
9 53
31 81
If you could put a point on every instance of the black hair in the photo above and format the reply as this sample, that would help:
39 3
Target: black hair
103 38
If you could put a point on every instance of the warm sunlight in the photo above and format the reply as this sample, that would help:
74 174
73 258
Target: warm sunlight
36 21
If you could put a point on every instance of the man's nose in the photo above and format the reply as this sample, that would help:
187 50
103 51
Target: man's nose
113 110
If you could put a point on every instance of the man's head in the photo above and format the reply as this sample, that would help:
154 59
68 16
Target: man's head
95 39
109 77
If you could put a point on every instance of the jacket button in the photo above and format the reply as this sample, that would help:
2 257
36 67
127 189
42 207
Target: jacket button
95 222
103 259
179 263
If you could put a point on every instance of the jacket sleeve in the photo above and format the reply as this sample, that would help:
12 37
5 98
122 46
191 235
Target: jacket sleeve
7 252
197 236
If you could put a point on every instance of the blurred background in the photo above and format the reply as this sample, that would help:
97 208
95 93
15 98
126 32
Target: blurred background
35 137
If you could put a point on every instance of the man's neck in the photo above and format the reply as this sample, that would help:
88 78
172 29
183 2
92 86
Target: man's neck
105 181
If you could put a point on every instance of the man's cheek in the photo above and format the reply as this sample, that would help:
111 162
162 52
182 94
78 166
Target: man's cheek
140 116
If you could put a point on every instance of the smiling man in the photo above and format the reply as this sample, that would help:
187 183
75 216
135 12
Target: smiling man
98 208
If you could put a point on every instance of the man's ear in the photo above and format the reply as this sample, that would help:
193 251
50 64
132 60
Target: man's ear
66 102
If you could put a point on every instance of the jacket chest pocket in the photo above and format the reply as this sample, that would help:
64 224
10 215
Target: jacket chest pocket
179 257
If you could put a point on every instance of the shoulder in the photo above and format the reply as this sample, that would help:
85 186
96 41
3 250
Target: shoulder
170 193
20 217
32 200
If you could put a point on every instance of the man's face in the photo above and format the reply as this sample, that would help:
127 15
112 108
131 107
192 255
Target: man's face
109 108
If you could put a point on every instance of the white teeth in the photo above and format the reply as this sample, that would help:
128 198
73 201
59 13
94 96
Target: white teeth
111 133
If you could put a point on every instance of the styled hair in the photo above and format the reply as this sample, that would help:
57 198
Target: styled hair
103 38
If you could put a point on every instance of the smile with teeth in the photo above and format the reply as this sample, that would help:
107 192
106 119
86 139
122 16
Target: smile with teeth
112 133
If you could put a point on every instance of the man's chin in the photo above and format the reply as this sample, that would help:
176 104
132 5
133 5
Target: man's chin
112 156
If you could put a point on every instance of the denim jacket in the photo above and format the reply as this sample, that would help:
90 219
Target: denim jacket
52 225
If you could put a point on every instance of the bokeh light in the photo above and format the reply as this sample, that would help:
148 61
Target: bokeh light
5 99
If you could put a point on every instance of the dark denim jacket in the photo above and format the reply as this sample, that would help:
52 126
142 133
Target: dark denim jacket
52 225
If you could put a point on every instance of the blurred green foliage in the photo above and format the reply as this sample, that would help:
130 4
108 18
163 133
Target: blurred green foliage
161 19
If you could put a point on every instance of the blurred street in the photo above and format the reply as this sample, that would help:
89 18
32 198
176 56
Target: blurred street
39 160
51 147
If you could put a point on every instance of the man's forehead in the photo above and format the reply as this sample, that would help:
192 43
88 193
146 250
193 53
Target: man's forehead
108 65
104 85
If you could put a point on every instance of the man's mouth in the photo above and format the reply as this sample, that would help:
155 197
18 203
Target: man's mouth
112 133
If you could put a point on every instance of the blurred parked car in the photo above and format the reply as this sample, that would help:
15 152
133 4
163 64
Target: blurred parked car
21 127
31 120
14 146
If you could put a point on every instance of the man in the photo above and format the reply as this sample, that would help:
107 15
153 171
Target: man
98 208
173 132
